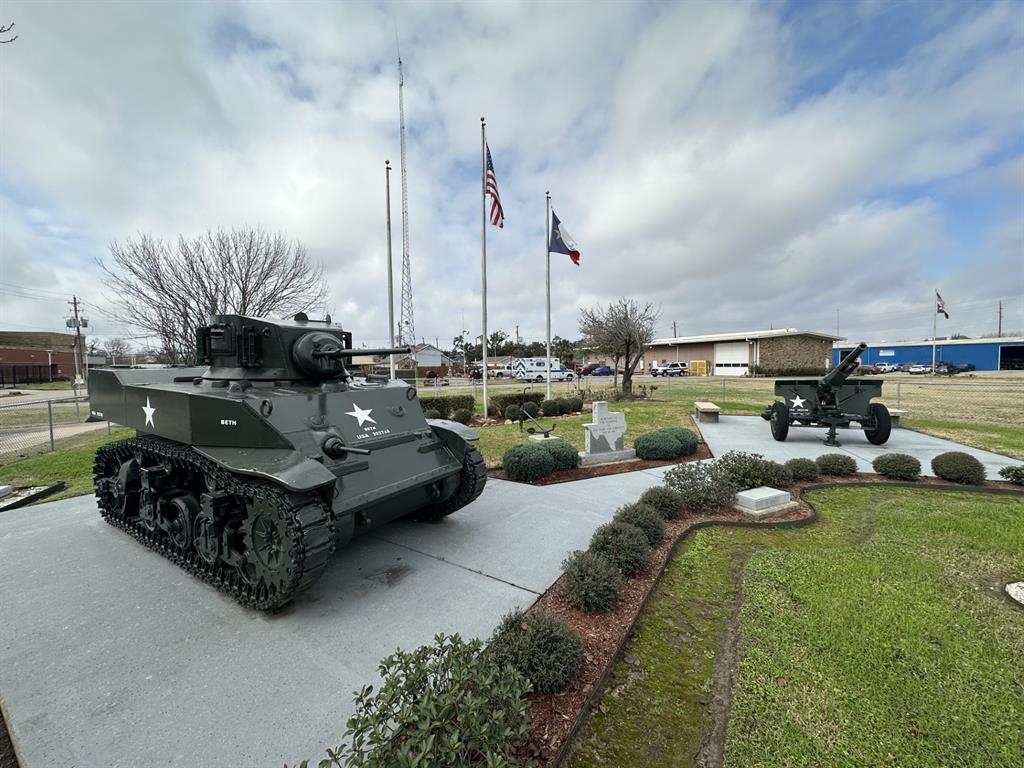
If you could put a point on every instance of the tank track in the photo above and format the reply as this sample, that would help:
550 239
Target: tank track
307 518
472 480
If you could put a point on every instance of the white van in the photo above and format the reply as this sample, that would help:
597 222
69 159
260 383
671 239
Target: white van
535 369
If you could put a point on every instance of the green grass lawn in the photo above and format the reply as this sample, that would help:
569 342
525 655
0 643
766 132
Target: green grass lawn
71 462
48 386
1005 439
878 636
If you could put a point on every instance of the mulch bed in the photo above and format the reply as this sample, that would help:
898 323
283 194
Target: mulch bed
556 716
599 470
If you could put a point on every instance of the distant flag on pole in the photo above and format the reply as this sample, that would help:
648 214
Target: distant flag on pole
940 306
561 240
497 212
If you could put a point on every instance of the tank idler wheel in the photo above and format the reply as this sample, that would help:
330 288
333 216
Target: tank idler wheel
882 420
127 487
780 421
206 537
181 512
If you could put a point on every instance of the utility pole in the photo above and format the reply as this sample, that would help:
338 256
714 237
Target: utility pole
837 321
999 333
674 334
78 323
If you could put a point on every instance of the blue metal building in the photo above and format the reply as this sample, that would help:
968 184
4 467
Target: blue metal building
993 354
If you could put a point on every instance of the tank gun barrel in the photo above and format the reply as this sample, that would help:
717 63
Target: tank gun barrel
846 366
335 353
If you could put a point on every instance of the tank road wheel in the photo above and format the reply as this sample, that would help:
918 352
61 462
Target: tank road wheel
472 479
181 512
780 421
147 511
206 536
879 433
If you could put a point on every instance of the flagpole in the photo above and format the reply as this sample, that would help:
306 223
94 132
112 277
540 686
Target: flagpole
935 326
483 253
547 259
391 280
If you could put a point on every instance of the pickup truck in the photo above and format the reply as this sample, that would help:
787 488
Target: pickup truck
669 369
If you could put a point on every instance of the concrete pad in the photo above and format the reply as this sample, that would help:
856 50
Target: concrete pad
753 435
766 512
110 655
761 498
606 457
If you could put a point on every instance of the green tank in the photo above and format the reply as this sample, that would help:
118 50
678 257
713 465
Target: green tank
250 471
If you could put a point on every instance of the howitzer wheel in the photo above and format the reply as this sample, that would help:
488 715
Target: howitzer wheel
780 421
472 479
882 421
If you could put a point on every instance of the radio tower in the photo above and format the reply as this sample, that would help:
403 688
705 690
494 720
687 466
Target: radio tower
406 326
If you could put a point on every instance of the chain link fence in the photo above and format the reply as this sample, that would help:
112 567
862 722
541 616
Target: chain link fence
38 425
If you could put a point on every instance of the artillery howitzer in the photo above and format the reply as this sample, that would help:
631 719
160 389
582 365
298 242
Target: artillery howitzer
249 472
833 401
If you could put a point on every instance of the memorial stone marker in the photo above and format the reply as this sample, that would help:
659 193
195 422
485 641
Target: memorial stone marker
604 437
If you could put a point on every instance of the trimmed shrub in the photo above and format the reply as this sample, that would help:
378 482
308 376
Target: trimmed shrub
1013 474
959 467
508 398
513 412
624 544
564 406
431 413
593 581
531 408
539 646
836 464
668 502
701 485
447 404
898 466
751 470
802 469
657 445
526 462
687 438
450 703
564 455
549 407
647 519
462 415
494 411
577 404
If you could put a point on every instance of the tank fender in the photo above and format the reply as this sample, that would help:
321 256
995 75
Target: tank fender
279 465
454 435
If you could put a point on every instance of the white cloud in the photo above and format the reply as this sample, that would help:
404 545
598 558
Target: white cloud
680 143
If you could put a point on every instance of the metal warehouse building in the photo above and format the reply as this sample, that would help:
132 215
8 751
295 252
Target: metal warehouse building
733 354
995 354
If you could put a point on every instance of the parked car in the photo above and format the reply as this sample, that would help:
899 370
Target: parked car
589 369
602 370
887 367
871 370
918 369
669 369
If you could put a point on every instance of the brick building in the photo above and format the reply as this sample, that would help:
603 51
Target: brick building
738 354
29 357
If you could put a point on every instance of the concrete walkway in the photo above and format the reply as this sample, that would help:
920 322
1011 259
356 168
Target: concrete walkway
110 655
753 434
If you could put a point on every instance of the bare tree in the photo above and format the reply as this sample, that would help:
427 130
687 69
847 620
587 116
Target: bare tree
168 290
621 330
115 348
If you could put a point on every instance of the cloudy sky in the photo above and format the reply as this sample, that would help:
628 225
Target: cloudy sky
741 165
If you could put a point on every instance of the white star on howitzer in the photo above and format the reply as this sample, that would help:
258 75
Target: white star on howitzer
361 415
149 411
798 402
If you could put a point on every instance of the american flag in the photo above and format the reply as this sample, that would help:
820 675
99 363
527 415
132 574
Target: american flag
497 213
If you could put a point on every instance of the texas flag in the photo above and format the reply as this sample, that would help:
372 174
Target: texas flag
561 241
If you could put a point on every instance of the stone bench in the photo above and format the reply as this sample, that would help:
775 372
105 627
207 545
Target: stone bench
895 414
706 412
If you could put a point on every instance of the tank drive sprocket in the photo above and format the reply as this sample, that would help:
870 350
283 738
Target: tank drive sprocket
253 540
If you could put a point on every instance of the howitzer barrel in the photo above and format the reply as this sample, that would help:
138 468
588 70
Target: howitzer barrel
846 366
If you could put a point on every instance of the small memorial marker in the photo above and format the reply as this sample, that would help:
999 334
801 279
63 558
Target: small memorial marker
604 437
764 502
1016 592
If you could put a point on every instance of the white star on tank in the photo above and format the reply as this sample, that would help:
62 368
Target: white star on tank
361 415
149 411
798 402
